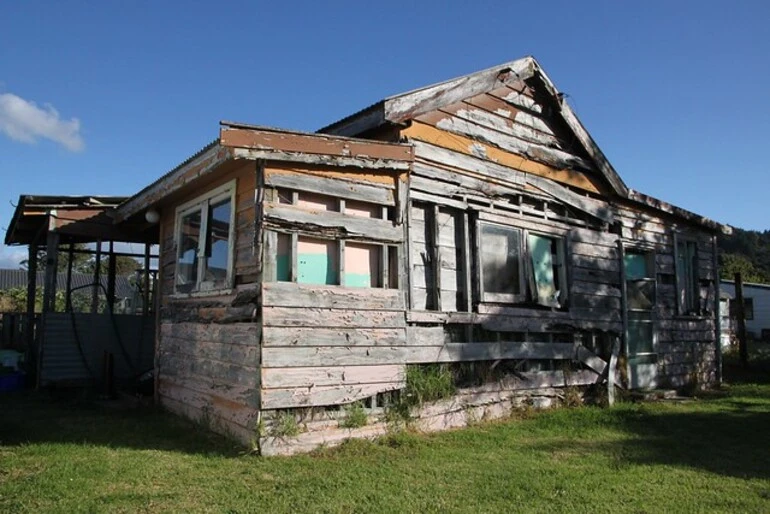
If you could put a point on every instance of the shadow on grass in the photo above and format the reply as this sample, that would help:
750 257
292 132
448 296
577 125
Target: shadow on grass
730 439
44 417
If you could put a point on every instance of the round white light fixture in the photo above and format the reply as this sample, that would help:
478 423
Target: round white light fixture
152 216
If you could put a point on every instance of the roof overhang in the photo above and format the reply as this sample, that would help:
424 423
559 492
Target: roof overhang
36 214
239 141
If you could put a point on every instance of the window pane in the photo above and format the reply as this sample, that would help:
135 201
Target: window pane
362 209
187 252
639 337
317 261
362 265
218 254
500 253
636 266
541 251
283 259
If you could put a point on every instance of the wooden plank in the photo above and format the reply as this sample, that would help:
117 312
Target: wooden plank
321 160
590 359
331 186
323 395
278 378
271 139
595 208
489 120
330 318
289 294
318 336
510 142
331 224
466 150
414 103
452 352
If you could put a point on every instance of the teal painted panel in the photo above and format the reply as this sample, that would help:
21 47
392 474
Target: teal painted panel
315 268
542 266
636 266
358 280
283 268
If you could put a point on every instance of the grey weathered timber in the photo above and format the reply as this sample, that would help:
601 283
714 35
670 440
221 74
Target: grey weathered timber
320 160
537 152
332 224
446 157
593 207
318 336
309 377
450 352
341 188
321 317
289 294
323 395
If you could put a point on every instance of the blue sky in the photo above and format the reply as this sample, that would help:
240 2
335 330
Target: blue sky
104 97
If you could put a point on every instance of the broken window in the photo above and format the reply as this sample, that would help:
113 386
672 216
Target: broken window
548 273
501 263
687 287
508 254
204 237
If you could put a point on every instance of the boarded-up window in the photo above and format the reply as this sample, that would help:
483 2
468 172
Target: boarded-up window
317 261
362 265
204 238
500 257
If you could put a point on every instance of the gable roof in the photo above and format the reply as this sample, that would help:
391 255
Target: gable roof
406 106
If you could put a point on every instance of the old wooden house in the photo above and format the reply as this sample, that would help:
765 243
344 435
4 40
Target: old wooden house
472 223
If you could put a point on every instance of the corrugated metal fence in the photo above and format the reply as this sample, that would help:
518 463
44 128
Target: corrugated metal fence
74 346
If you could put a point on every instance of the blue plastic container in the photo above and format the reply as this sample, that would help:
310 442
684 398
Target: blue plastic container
12 382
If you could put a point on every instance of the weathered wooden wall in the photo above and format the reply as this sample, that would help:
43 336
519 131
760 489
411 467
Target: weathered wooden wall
502 157
331 344
207 356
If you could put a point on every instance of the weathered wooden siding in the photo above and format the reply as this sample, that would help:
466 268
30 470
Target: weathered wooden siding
207 355
331 344
485 158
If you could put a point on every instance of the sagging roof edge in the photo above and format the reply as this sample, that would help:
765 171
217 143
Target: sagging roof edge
52 202
673 210
223 149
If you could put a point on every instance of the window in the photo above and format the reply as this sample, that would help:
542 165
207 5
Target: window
640 300
687 287
507 255
331 262
204 237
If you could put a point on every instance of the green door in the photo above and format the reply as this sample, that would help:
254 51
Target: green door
639 303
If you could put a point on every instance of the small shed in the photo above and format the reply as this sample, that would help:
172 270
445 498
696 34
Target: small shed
77 329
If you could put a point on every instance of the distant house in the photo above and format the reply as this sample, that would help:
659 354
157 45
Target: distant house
756 301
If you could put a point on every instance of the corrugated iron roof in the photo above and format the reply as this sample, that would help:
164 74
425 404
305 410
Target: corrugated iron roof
13 278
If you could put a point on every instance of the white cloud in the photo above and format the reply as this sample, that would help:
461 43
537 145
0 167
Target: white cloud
25 121
10 257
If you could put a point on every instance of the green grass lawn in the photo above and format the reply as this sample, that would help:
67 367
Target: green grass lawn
706 455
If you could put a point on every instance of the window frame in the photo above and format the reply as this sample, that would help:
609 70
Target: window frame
385 275
682 307
202 203
527 280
